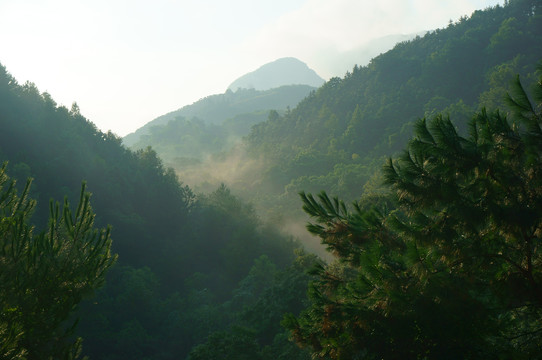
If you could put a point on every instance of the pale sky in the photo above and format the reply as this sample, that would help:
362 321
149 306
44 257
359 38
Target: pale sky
128 62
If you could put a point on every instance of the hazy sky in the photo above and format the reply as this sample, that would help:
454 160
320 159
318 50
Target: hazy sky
127 62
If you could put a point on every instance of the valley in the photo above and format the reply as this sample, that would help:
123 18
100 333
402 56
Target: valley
393 211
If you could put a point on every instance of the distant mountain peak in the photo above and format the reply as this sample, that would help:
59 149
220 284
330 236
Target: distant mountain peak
283 71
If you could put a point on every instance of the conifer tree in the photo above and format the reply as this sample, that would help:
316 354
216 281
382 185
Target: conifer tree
44 276
449 265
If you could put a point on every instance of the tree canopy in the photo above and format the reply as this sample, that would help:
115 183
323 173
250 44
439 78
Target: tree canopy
43 277
442 262
356 121
449 264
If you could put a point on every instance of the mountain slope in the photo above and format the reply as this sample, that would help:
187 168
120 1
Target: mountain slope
215 109
336 138
284 71
171 243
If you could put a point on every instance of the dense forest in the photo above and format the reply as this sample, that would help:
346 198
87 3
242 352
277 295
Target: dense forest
435 147
192 138
338 136
182 257
447 265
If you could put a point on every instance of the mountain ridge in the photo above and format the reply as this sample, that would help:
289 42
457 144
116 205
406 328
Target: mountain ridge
333 138
215 109
292 81
283 71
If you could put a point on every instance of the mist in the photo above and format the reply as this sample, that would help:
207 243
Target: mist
244 176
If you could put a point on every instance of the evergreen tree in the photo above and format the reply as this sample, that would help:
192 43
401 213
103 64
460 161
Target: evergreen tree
449 265
44 277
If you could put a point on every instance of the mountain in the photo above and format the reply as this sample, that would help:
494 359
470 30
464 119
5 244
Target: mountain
203 269
180 255
337 138
215 109
284 71
282 84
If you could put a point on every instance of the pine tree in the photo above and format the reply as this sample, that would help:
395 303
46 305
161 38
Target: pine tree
449 265
43 277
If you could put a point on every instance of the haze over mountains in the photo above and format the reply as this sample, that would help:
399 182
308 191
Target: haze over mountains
204 274
338 62
281 75
337 137
278 85
284 71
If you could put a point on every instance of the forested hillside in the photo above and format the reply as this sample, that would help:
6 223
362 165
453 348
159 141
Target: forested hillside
447 264
435 254
338 136
188 265
215 109
184 141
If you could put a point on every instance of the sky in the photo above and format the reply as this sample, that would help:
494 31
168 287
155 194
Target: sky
128 62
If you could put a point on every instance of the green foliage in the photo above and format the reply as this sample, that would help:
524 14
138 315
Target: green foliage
204 269
181 255
447 267
44 277
237 344
253 329
231 112
368 114
203 294
181 140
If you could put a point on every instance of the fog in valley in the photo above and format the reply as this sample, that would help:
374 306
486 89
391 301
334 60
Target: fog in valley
285 180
